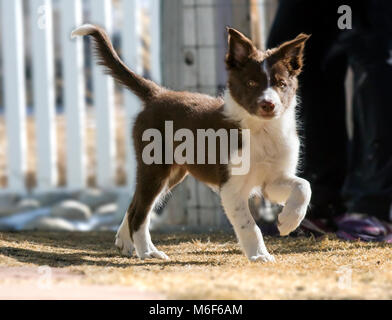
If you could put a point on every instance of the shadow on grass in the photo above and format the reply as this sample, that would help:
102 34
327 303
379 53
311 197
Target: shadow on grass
63 260
216 253
97 248
91 241
169 263
104 240
92 248
58 260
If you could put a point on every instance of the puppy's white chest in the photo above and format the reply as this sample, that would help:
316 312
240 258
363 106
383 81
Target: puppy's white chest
273 146
264 148
271 154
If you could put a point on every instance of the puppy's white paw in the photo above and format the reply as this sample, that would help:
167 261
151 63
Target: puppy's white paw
125 247
263 258
286 228
289 221
153 254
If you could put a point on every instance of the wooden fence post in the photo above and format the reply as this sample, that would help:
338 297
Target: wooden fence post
44 93
131 54
104 103
155 50
200 39
263 15
14 92
74 97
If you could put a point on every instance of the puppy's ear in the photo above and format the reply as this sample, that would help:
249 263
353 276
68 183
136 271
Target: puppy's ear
240 49
292 53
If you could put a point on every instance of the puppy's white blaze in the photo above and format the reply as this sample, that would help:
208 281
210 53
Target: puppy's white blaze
84 30
271 95
265 69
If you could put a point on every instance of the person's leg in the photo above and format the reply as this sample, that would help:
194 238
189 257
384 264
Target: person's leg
322 96
368 187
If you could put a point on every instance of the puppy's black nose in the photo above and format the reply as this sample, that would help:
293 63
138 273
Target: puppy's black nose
267 106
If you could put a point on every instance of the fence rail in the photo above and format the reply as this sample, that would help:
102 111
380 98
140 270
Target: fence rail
13 46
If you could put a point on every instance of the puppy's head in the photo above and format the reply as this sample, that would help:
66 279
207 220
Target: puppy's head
264 83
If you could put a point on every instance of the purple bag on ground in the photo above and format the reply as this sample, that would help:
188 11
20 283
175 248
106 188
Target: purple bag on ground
361 227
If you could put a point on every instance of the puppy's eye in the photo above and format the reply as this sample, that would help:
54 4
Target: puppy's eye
282 84
252 84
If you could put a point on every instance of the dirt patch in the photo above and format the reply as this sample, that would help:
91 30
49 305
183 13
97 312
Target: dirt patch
64 291
208 266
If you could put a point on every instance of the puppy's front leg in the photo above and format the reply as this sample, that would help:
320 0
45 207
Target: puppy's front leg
248 233
294 193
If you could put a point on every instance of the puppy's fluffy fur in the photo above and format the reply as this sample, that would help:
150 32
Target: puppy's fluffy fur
261 97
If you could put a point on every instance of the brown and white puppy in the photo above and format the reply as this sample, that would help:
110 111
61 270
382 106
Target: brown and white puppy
261 99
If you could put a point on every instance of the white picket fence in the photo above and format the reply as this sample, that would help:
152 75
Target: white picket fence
42 26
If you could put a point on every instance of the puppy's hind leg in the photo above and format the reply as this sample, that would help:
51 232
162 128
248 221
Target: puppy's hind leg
153 183
123 238
134 233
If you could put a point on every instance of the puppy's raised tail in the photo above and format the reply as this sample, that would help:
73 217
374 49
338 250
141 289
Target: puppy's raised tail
114 66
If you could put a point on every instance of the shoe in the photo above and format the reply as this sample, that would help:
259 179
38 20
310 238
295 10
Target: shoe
355 226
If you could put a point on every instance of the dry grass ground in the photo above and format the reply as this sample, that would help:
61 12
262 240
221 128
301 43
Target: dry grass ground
201 267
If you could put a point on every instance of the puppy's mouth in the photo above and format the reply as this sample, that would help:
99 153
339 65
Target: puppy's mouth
267 110
268 116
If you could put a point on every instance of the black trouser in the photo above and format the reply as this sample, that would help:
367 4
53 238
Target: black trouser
346 175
